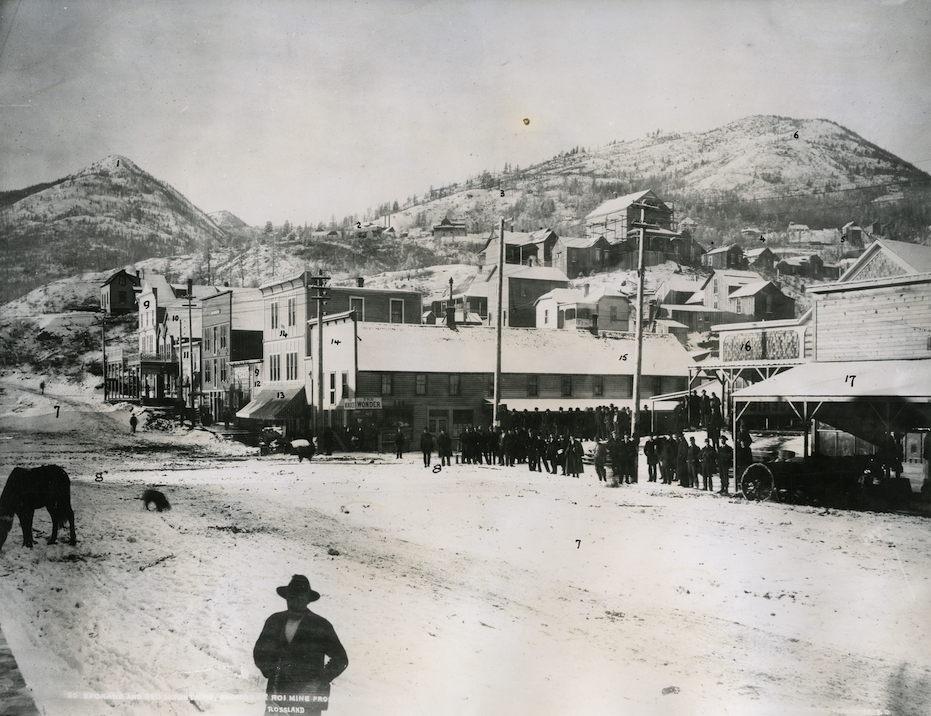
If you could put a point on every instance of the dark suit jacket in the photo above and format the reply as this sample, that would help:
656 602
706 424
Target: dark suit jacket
298 667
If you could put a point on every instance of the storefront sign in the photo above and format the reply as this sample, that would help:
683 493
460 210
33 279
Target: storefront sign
362 404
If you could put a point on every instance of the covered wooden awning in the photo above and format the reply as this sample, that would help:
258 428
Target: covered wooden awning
869 399
275 405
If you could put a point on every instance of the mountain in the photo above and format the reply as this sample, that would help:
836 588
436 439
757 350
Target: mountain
776 163
108 214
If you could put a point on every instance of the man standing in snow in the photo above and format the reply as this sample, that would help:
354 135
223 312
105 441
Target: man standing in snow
426 446
133 422
291 651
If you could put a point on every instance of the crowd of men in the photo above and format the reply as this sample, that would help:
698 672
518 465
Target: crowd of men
552 442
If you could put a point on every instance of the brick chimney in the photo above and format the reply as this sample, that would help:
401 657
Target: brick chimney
360 282
451 316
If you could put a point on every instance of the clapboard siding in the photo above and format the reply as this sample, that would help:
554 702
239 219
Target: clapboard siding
877 324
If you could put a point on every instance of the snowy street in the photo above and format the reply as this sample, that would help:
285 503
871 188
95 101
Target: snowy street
474 590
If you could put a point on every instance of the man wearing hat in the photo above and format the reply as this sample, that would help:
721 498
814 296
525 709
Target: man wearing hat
292 649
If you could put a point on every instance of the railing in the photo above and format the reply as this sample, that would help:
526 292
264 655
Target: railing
161 357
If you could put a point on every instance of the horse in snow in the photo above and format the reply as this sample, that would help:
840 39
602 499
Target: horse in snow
29 490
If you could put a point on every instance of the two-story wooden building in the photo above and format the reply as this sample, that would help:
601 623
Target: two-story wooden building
118 293
232 333
584 309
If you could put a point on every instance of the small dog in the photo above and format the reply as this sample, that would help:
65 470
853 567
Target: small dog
154 497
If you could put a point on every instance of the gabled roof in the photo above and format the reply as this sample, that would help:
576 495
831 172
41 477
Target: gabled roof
730 276
751 289
910 258
133 277
425 349
540 273
620 204
724 249
756 253
576 242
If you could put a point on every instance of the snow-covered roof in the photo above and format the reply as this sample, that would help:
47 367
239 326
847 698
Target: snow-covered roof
723 249
577 295
750 289
577 242
422 348
615 205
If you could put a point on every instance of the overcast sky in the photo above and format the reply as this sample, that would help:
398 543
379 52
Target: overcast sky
302 110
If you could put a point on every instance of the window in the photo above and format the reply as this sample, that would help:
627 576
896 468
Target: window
291 366
223 370
387 384
207 376
715 302
532 386
567 385
738 305
206 339
216 369
357 305
657 385
274 313
614 316
215 344
397 311
223 337
332 388
122 280
455 386
274 367
420 384
598 385
345 385
546 318
570 314
292 311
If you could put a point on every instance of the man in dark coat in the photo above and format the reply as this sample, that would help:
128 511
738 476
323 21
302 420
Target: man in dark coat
291 651
725 458
444 447
399 441
650 450
426 446
682 461
709 457
694 460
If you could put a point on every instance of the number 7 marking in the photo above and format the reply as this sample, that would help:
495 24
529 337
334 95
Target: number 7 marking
57 410
578 543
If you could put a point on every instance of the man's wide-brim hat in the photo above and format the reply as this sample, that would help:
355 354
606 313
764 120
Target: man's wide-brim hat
299 584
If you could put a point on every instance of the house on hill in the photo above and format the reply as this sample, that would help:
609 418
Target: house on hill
807 266
449 228
615 217
761 259
522 286
118 293
533 248
583 309
725 257
577 257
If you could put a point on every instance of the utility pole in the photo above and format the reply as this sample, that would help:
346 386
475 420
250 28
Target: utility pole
495 416
635 413
190 333
319 285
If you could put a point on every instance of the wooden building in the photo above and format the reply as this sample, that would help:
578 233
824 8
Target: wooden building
583 309
118 293
380 376
761 259
232 333
725 257
523 285
614 218
448 228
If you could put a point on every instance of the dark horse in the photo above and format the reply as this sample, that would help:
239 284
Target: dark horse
29 490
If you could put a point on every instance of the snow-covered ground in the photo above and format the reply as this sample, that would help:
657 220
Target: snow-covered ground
472 590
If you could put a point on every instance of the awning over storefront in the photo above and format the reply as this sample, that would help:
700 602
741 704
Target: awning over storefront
275 404
868 399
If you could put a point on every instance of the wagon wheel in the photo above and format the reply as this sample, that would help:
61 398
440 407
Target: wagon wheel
757 482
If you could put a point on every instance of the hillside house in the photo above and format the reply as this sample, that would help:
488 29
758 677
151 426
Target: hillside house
577 257
807 266
533 248
677 289
430 376
761 259
725 257
118 293
583 309
447 228
616 217
523 285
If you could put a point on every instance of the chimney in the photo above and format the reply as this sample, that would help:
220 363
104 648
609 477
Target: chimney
594 324
586 289
451 316
360 282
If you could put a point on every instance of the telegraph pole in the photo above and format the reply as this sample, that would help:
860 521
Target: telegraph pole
319 285
635 413
190 333
494 416
103 348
